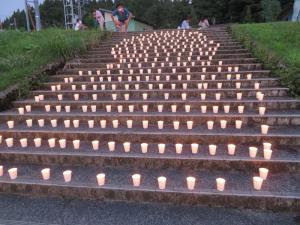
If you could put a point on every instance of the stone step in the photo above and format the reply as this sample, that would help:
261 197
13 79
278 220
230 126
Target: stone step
200 134
270 103
263 82
272 118
238 191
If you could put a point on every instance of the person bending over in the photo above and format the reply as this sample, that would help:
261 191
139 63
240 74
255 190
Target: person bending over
121 18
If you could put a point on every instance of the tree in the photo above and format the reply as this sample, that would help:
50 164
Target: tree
270 10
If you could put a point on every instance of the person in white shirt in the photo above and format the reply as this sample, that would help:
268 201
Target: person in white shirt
79 25
185 24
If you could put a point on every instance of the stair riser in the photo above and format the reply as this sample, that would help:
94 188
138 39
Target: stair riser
144 162
264 203
168 135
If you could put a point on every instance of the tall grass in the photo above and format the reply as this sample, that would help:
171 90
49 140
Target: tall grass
22 54
278 46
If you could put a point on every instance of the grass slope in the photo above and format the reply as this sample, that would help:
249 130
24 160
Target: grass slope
22 54
278 46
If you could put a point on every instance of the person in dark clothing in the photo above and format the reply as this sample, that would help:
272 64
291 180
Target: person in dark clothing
121 18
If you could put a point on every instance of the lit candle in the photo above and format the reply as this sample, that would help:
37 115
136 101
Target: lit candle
145 108
166 95
210 125
114 97
231 149
28 108
219 85
218 96
189 125
37 142
264 129
223 124
215 109
212 149
115 123
131 108
187 108
220 184
144 147
263 173
95 145
267 154
76 144
249 76
195 148
23 142
238 85
21 111
51 142
238 124
203 96
183 96
160 108
191 183
126 146
54 123
161 182
67 176
145 124
136 180
101 179
76 123
178 148
226 108
241 109
267 145
262 111
62 143
239 96
10 124
174 108
129 124
256 86
176 125
203 108
111 146
252 152
257 183
58 108
45 173
145 96
161 148
120 108
13 173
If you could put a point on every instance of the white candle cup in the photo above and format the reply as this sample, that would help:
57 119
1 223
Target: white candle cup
47 108
76 123
126 97
203 108
238 76
195 148
267 154
264 129
239 96
267 145
178 148
238 124
210 125
145 108
166 95
238 85
108 108
260 96
219 69
129 124
215 109
229 69
53 123
9 142
45 173
115 123
13 173
114 97
263 173
21 111
189 125
76 97
176 125
67 176
76 144
41 97
101 179
249 76
51 142
131 108
83 87
36 98
218 96
136 180
179 77
120 108
256 85
37 142
28 108
10 124
231 149
223 124
183 96
67 108
262 110
220 184
187 108
241 109
111 146
67 123
161 148
23 142
212 149
126 146
144 148
160 108
162 182
257 183
58 108
203 96
80 73
191 181
253 152
219 85
95 145
145 96
173 108
226 108
145 124
160 125
150 86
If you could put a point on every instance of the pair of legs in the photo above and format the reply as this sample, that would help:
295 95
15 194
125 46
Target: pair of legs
121 27
296 13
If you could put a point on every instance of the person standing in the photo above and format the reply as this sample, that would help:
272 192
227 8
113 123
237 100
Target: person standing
100 19
185 24
296 11
121 18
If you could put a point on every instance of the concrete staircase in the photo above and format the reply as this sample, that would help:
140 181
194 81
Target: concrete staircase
140 78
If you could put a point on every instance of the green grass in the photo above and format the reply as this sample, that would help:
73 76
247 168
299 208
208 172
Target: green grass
24 54
278 46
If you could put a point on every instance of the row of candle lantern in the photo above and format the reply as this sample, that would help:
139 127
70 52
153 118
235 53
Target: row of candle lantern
161 86
145 124
159 77
136 178
231 148
145 96
131 109
165 41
